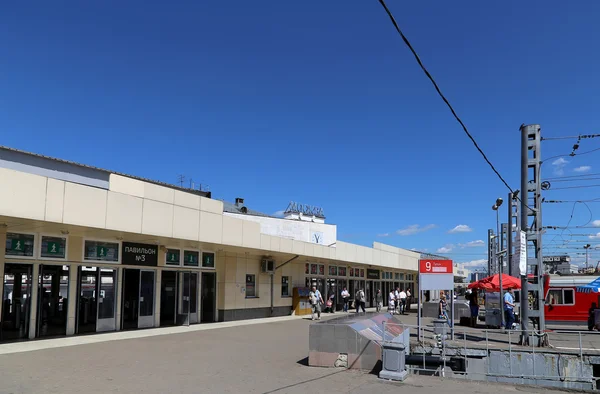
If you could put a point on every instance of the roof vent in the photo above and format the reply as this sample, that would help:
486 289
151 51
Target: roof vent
239 201
244 209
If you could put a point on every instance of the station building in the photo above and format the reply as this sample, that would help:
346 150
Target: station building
91 250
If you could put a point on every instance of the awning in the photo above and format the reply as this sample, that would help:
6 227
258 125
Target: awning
592 287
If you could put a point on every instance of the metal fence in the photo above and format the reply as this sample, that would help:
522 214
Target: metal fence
460 342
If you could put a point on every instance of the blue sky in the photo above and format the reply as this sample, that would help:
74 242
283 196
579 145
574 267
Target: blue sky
316 102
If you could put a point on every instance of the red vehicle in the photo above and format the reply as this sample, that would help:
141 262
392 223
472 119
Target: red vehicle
564 304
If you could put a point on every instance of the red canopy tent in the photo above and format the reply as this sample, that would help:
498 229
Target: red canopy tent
492 283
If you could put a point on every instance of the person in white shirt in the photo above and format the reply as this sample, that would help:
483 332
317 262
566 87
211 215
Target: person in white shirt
402 296
397 298
408 299
315 300
345 297
391 301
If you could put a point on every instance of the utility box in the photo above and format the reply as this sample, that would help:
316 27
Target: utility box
393 361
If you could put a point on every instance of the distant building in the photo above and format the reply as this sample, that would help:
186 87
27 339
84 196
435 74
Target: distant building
476 276
559 265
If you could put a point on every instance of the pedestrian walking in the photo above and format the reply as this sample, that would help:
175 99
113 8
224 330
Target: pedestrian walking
397 300
345 297
474 307
359 300
315 301
408 299
402 296
391 301
444 309
509 305
379 300
330 304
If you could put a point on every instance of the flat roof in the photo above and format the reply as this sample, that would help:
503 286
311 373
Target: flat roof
185 189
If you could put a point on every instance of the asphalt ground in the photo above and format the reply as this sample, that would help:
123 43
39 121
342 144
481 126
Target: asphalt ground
270 357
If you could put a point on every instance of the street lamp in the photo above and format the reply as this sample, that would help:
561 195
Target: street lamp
495 207
586 247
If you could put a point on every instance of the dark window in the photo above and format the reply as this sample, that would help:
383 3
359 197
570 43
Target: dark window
250 285
208 260
101 251
54 247
190 258
285 286
569 297
341 271
19 245
173 257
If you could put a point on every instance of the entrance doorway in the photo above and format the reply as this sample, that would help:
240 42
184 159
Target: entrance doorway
168 298
96 299
16 302
209 296
369 294
52 300
188 297
339 303
138 299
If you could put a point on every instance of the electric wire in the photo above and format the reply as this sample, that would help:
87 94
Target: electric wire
438 90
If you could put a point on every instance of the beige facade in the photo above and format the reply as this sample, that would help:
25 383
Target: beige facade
133 210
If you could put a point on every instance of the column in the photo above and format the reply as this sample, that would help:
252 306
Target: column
2 250
119 290
73 298
33 303
157 295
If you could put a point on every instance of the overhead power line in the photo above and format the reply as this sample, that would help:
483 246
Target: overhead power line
435 85
573 187
571 137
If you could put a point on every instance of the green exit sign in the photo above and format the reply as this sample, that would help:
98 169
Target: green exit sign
208 260
101 252
173 256
17 245
53 248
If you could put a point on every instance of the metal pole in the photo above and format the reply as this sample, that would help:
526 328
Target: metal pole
523 227
189 297
272 295
499 245
419 311
509 234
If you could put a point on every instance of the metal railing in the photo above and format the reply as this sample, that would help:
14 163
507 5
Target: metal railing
466 339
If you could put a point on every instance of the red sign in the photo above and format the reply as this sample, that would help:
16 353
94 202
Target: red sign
435 267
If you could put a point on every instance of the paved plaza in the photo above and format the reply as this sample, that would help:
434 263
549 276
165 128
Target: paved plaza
267 356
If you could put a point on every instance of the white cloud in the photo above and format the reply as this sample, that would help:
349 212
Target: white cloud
461 228
559 166
414 229
445 249
481 263
473 244
582 169
278 214
383 235
596 223
597 236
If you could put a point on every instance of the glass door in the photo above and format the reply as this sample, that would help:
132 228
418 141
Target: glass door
53 283
188 296
209 297
16 302
106 300
87 304
168 298
146 307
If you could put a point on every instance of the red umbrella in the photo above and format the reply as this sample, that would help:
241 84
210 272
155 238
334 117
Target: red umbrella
493 283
